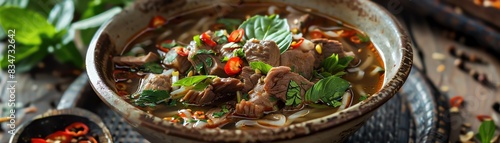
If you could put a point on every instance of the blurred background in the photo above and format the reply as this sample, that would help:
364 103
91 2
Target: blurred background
456 47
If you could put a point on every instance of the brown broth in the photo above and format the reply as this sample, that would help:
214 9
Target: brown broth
179 25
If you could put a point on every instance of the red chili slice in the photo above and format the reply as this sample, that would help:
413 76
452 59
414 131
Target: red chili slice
38 140
233 66
348 33
157 22
296 44
207 40
483 117
182 51
236 35
315 34
456 101
77 129
160 46
61 136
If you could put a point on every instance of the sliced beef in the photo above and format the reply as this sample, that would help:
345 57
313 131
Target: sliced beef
227 85
250 78
328 48
249 109
136 61
180 63
216 120
156 82
259 102
301 62
200 98
199 56
266 51
218 88
278 79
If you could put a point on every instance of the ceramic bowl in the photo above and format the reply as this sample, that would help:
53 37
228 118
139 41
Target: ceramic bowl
386 34
56 120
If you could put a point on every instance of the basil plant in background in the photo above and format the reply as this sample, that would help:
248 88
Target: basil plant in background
58 28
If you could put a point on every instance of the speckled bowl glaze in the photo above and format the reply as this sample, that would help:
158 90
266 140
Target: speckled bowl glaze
386 33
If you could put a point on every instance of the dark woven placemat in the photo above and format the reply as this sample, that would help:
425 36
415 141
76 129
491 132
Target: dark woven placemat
416 114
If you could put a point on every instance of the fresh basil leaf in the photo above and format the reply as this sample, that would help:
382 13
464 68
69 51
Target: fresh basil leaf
192 80
293 94
268 28
198 67
151 97
222 38
61 14
225 59
152 67
486 131
327 90
200 86
209 62
16 3
229 23
29 25
333 64
203 51
263 67
336 103
68 53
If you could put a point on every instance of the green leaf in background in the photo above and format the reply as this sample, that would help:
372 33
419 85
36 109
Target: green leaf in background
68 53
62 14
16 3
92 22
28 24
263 67
2 33
486 131
268 28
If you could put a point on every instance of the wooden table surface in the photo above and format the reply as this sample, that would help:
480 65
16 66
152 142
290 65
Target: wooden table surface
431 53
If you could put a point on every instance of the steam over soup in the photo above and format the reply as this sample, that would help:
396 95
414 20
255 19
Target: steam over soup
246 67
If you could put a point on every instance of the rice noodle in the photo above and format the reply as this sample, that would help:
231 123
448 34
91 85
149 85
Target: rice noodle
296 115
353 70
359 89
346 100
368 62
279 121
360 75
376 70
178 93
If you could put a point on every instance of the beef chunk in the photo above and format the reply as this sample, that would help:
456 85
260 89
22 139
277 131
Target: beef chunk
260 101
136 61
219 88
200 98
250 78
156 82
278 78
301 62
210 64
219 121
328 48
266 51
180 63
249 109
227 85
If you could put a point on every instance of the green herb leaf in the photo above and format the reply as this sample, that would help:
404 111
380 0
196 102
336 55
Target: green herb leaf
334 65
61 14
198 67
268 28
363 97
208 62
222 38
200 86
29 25
486 131
221 113
363 38
192 80
225 59
293 94
328 90
152 67
197 39
68 53
151 97
263 67
203 51
16 3
169 45
239 53
230 23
